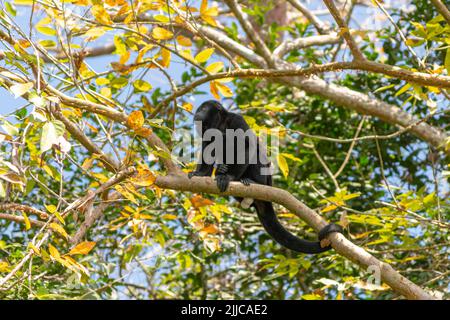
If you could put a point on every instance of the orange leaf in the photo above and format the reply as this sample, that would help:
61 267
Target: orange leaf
211 229
82 248
184 41
214 90
198 201
136 120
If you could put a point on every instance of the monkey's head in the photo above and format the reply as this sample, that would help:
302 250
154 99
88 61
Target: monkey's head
210 113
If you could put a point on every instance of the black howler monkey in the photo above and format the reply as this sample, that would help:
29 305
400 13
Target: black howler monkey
212 115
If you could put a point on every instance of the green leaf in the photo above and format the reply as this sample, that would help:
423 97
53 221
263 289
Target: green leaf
46 30
11 9
119 82
403 89
384 88
141 85
47 43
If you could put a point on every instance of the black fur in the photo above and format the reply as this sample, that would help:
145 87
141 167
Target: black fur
212 114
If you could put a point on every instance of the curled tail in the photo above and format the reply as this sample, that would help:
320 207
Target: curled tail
269 220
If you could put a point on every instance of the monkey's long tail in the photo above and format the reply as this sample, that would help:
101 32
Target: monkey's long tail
269 220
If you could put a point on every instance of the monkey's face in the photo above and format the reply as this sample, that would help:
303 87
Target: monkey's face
208 114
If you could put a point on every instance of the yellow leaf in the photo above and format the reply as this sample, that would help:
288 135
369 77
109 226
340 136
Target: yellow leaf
4 267
82 248
52 209
101 177
159 33
169 216
124 57
44 255
328 208
58 228
135 120
94 33
350 196
204 55
209 20
187 106
282 163
210 12
207 14
27 221
101 15
224 90
46 30
165 58
161 18
215 67
106 92
184 41
54 252
186 54
127 194
34 248
224 80
102 81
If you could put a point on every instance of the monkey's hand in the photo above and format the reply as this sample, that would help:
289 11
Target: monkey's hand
247 181
223 181
222 168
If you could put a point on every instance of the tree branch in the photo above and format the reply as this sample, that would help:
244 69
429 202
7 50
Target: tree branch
315 21
442 9
306 42
343 246
344 30
250 31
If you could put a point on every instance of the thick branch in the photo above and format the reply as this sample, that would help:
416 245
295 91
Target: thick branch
343 246
19 219
306 42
